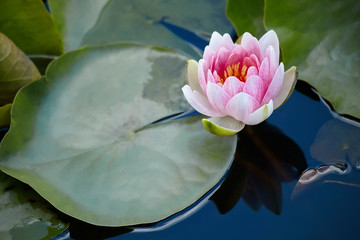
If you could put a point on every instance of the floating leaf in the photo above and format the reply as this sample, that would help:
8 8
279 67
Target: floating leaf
78 139
323 43
30 26
24 214
337 142
73 25
247 16
137 20
16 70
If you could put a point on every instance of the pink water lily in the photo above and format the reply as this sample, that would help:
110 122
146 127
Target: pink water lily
237 84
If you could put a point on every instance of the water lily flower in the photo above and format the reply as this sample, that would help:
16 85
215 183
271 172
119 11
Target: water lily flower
238 83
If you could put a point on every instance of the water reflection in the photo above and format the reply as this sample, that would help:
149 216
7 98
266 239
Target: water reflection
314 175
337 142
336 147
265 157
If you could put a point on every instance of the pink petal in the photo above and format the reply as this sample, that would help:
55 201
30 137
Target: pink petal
217 97
227 42
221 59
255 87
233 86
215 41
260 114
215 77
252 71
208 53
212 62
264 72
211 77
270 39
241 105
255 60
202 70
274 63
251 45
236 56
248 62
275 85
199 102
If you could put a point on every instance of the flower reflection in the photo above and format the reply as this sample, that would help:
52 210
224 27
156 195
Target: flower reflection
265 157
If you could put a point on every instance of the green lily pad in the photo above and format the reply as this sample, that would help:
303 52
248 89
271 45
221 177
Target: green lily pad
24 214
322 40
71 23
77 137
16 70
140 21
247 16
30 26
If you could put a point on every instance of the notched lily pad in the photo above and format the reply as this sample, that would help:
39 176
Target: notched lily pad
77 138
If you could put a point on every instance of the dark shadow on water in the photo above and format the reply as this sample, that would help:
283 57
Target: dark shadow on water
3 131
82 230
309 91
264 158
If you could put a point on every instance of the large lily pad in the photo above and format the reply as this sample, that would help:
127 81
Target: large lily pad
137 20
24 214
77 137
30 26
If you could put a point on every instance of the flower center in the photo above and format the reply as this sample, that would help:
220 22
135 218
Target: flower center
234 70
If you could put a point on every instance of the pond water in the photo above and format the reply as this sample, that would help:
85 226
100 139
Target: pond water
296 176
325 207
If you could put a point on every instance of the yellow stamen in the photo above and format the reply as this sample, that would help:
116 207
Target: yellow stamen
234 70
243 73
